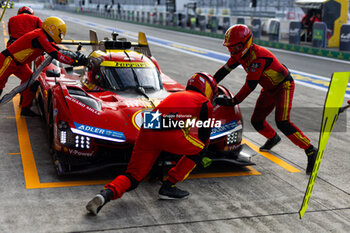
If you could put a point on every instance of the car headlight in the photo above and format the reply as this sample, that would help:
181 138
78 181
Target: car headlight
62 127
82 142
70 139
234 137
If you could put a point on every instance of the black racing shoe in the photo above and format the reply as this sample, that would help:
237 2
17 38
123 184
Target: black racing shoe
270 143
95 204
169 191
28 112
311 153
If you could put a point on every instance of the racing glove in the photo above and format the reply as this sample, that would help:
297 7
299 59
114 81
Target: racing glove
80 60
225 101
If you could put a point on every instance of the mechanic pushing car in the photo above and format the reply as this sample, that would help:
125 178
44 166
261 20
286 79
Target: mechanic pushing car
193 103
15 59
25 21
277 89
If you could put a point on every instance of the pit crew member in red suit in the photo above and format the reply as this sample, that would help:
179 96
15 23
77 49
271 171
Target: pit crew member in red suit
23 22
316 17
15 59
263 68
195 102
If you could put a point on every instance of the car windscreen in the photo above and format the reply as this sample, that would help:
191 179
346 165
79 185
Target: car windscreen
123 78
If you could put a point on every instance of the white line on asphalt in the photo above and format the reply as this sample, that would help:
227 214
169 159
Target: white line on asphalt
310 55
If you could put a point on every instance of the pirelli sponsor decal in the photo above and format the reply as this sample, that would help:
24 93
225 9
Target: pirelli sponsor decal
124 64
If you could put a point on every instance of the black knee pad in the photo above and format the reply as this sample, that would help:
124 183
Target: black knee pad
286 127
133 182
258 125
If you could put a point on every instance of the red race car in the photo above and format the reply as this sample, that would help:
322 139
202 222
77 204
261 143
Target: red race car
93 113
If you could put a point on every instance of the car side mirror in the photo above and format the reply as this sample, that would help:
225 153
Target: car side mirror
53 73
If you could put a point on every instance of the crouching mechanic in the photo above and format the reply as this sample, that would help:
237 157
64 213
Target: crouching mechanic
277 89
15 59
195 102
25 21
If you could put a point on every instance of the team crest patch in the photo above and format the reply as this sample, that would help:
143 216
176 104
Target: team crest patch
255 65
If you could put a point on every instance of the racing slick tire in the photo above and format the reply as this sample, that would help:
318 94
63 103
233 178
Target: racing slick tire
62 166
40 104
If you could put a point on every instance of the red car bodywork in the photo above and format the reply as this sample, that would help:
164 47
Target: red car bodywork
91 126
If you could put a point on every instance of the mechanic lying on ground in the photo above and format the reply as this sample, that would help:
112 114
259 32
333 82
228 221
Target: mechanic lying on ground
15 59
25 21
194 103
277 89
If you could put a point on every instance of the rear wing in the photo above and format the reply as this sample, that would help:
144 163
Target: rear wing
115 43
142 46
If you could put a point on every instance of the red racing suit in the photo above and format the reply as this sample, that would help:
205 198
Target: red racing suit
277 92
15 59
19 25
182 141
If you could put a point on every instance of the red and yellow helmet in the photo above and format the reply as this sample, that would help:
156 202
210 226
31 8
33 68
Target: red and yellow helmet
25 9
56 28
203 83
238 40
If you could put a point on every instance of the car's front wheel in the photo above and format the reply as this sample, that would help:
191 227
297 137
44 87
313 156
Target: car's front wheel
61 163
60 160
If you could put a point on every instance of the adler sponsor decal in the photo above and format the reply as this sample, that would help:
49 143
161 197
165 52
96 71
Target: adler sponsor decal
100 131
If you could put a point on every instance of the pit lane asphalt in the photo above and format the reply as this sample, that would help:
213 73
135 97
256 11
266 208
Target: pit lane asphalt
264 199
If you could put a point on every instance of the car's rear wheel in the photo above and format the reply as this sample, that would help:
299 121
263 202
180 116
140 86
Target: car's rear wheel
40 105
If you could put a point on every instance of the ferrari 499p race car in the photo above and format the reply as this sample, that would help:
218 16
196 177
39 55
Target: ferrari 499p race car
93 113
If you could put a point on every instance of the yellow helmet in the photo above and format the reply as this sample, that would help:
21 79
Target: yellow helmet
56 28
